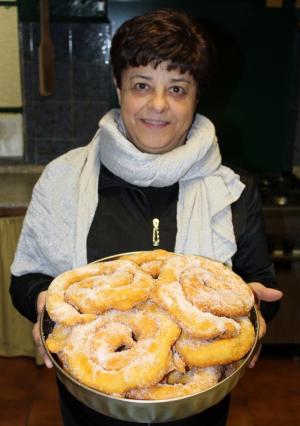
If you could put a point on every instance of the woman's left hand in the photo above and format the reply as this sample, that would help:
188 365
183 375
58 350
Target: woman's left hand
262 293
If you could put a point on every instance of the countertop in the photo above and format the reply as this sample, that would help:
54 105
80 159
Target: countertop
16 184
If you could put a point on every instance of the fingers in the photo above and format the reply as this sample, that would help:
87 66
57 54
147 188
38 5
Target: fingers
264 293
262 332
36 330
41 301
262 325
37 338
255 357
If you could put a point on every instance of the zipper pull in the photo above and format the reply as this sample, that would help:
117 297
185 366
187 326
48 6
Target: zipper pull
155 233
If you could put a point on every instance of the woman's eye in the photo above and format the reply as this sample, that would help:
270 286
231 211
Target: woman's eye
140 87
177 90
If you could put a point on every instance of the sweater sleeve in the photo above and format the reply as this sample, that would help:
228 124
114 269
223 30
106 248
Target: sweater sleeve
252 260
24 291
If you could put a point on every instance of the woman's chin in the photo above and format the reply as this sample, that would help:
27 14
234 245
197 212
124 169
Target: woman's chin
157 147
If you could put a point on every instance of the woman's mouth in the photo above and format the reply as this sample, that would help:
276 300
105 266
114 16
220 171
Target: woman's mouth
154 123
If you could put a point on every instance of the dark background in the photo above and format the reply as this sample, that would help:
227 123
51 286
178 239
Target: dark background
252 98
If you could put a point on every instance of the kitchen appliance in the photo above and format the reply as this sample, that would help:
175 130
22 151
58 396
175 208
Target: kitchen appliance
281 208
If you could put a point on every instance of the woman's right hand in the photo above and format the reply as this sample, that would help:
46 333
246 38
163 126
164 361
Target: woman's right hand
41 300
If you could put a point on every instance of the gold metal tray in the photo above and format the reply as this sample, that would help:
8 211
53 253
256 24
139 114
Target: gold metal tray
145 411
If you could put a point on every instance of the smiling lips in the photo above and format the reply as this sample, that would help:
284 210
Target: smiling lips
154 123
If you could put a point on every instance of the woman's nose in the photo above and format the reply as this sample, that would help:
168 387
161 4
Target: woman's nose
159 101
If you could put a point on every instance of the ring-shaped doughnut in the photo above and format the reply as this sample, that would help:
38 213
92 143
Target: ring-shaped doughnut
205 325
77 296
200 353
114 364
210 285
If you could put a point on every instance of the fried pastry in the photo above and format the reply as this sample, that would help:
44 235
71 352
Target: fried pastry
150 325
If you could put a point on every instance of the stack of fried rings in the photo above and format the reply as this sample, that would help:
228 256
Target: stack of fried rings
151 325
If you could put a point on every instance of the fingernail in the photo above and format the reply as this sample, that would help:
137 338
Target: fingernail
48 363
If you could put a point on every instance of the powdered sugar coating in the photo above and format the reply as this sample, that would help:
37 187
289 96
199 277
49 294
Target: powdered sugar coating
198 323
191 382
204 296
77 296
220 351
174 344
89 352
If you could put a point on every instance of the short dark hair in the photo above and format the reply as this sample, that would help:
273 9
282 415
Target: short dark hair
162 35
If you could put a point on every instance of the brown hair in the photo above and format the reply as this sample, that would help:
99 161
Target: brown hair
162 35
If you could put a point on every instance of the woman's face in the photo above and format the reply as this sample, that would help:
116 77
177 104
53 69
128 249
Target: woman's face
157 107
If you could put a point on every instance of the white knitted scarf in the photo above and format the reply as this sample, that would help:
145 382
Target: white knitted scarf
206 188
64 200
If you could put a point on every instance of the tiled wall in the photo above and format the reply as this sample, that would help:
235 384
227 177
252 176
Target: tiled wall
83 87
82 92
35 129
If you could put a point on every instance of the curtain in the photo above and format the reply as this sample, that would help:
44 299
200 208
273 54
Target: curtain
15 330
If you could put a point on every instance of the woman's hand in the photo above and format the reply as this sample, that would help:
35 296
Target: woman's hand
262 293
41 300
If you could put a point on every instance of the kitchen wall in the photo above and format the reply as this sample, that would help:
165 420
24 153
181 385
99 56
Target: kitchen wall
252 99
82 77
11 123
82 80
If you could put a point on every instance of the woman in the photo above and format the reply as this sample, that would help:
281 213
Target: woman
151 177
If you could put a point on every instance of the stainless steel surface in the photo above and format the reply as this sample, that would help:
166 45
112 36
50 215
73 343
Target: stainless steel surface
147 411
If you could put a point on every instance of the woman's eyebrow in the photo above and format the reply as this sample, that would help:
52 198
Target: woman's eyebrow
140 76
172 80
181 80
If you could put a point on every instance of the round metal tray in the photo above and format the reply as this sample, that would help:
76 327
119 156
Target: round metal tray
145 411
